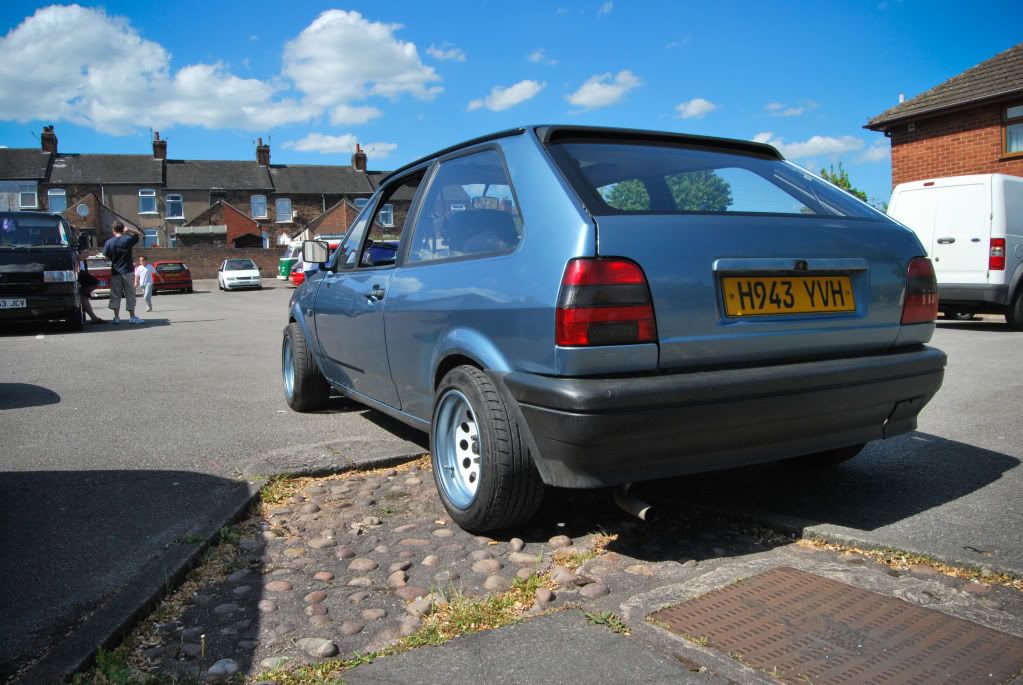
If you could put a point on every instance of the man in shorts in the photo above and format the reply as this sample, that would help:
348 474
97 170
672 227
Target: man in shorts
122 270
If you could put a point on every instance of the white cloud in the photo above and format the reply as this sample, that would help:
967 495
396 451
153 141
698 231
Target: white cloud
814 146
446 51
342 57
87 67
780 109
347 114
604 89
502 98
695 108
539 56
327 144
875 153
606 8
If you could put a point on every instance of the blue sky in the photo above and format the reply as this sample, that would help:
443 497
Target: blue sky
406 78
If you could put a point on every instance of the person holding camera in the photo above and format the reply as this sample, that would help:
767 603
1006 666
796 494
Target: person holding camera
122 270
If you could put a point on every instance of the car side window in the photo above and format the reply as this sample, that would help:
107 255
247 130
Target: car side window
388 224
347 256
470 210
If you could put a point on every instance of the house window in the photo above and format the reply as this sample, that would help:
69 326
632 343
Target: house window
282 210
258 205
56 200
147 201
150 238
1014 130
28 198
361 202
175 206
386 215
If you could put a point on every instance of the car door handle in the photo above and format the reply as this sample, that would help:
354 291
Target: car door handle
946 241
377 293
974 240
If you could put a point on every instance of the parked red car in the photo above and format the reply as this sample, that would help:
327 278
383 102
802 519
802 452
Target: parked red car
171 275
297 276
99 267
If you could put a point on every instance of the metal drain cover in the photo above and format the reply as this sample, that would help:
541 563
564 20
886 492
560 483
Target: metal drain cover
801 628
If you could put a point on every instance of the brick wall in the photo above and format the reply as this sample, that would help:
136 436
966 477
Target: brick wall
968 142
203 262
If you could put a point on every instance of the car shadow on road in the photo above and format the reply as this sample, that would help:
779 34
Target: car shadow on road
22 395
979 326
399 429
93 550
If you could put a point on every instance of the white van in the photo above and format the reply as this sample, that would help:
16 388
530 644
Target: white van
972 227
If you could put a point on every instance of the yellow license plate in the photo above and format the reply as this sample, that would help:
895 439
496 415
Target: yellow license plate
775 295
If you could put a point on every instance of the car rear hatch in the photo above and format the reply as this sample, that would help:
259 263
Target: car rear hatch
747 258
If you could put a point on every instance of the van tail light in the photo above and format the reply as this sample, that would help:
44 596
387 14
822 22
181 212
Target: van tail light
996 261
921 305
604 302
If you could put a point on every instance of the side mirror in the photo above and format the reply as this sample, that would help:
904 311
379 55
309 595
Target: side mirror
315 252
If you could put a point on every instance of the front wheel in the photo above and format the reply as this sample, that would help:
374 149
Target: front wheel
305 388
484 472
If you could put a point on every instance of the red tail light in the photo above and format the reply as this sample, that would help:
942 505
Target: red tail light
921 305
996 262
604 302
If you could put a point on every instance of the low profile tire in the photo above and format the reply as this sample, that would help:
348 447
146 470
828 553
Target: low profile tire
829 458
1014 315
188 290
76 322
305 388
482 468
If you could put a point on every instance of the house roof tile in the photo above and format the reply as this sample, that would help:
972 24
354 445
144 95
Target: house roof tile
23 164
1002 75
302 178
216 175
112 169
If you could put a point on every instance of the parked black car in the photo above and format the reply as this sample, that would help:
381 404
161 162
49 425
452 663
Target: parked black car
38 269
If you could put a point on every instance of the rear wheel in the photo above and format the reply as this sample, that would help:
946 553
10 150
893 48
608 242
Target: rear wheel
484 472
1014 315
305 388
76 321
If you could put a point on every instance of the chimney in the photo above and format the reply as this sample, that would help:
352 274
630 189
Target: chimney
49 140
358 159
262 153
902 98
159 147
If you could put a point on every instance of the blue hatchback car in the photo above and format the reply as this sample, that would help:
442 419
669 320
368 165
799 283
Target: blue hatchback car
586 307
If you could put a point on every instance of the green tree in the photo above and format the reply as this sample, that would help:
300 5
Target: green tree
694 191
840 178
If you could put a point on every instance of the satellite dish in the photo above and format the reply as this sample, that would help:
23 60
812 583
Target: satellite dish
83 210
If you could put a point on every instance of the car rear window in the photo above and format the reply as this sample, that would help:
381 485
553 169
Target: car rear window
166 268
32 231
647 178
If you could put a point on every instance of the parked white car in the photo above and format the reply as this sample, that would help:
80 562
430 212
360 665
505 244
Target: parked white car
972 227
239 273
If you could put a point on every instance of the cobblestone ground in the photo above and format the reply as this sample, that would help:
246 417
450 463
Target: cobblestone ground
351 564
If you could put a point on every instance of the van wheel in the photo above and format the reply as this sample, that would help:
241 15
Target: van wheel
76 322
484 472
305 388
1014 315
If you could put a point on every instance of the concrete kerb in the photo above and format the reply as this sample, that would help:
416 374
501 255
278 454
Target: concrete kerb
108 625
798 528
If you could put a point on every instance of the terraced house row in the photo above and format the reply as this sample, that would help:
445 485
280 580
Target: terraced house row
180 202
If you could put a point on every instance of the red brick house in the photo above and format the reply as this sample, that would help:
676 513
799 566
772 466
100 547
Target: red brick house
970 124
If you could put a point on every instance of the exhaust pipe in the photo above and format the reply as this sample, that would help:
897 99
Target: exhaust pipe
633 505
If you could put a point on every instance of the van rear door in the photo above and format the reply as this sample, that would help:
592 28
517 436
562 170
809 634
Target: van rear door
915 208
962 233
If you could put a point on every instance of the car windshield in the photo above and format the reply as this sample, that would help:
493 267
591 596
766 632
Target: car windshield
292 251
239 265
32 231
651 178
163 268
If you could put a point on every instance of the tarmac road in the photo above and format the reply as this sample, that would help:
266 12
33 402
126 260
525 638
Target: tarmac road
119 442
116 442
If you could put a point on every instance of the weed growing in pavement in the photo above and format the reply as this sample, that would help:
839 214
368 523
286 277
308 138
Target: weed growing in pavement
900 560
191 539
609 620
700 641
572 559
277 489
115 668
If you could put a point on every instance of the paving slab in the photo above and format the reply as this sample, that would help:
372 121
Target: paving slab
560 648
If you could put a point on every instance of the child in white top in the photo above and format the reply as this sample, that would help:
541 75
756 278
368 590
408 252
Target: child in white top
144 279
